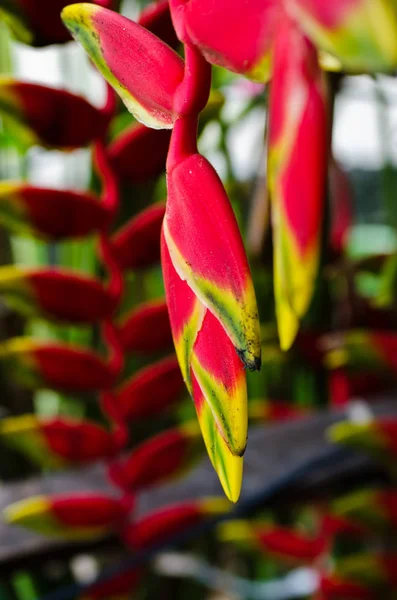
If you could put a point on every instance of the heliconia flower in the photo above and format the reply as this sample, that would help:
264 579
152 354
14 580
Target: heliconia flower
146 329
297 161
138 154
51 117
137 244
274 410
341 199
281 543
206 250
54 365
156 527
144 71
362 35
71 516
118 586
41 21
57 442
161 458
377 436
49 213
375 569
213 375
334 587
53 293
359 349
156 17
233 35
371 507
151 390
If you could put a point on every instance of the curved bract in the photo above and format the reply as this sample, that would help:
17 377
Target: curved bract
297 161
49 213
234 35
51 117
144 71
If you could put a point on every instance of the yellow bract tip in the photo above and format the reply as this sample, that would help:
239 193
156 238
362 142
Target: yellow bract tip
25 510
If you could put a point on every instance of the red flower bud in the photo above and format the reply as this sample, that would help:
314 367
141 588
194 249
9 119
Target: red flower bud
137 244
74 516
55 294
49 213
59 441
158 526
164 457
152 390
139 153
54 365
51 117
147 328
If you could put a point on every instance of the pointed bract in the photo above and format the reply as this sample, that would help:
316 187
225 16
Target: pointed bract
137 244
143 70
298 156
49 213
151 390
139 153
187 316
172 520
163 457
55 294
51 365
74 516
57 442
147 328
51 117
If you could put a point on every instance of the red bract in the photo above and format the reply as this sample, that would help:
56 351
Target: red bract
53 118
156 17
298 155
144 71
187 315
58 441
151 390
291 546
74 516
163 457
118 586
55 365
158 526
234 35
137 244
138 154
55 294
336 588
147 328
49 213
